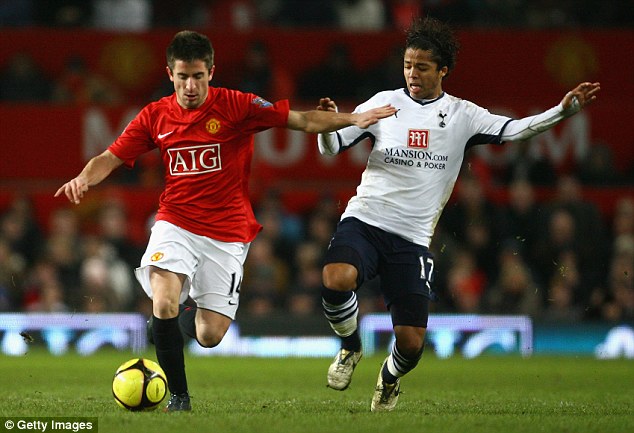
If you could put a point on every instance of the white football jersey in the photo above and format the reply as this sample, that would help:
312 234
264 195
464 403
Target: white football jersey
415 159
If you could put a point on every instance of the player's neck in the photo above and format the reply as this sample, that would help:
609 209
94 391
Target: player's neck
428 99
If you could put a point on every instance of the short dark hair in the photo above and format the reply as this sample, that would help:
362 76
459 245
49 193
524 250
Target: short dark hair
189 46
434 35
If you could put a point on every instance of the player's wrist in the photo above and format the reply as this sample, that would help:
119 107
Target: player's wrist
569 105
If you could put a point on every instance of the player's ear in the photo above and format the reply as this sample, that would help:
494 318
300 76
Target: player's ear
169 73
211 72
443 71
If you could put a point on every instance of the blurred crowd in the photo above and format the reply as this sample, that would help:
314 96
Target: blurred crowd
559 259
364 15
555 260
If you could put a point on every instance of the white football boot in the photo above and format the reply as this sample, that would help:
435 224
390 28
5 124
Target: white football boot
385 394
341 369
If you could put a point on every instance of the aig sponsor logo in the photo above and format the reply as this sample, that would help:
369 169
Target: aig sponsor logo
418 138
194 159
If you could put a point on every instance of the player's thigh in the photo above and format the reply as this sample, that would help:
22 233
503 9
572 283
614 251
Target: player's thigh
352 244
407 269
170 248
166 288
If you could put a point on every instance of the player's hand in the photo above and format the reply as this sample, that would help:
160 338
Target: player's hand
370 117
327 104
584 93
74 190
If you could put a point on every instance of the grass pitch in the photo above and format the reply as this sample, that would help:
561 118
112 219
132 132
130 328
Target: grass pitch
486 394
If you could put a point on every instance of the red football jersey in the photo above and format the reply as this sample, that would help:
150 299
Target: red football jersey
207 155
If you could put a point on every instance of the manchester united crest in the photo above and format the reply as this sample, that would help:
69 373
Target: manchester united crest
156 257
212 125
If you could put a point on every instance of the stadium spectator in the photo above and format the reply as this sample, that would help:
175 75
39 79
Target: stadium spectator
514 291
618 304
106 280
591 246
384 75
334 77
113 229
307 14
559 235
623 219
62 249
387 226
521 218
43 289
546 14
13 270
598 169
466 283
302 298
23 80
64 13
182 14
360 15
473 220
20 229
402 12
561 305
256 70
281 228
17 13
122 15
266 279
525 164
492 13
77 85
319 227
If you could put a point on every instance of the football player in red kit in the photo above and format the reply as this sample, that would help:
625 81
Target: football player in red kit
205 222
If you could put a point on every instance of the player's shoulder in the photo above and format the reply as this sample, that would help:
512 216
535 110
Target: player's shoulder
238 98
459 103
384 97
161 103
391 95
158 108
226 94
453 100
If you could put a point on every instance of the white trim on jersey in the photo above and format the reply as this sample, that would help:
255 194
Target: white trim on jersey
417 154
527 127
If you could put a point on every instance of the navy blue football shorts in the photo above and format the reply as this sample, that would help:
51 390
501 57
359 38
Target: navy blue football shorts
405 269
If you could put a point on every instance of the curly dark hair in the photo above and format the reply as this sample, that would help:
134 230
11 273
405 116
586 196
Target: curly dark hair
434 35
188 46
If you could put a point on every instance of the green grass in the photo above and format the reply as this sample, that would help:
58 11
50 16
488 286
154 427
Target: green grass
487 394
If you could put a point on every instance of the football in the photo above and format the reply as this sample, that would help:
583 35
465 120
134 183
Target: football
139 384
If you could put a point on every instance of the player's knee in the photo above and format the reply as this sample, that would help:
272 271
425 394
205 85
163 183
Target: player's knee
410 348
339 276
209 337
164 308
410 344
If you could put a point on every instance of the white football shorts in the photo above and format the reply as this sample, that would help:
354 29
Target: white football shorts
214 269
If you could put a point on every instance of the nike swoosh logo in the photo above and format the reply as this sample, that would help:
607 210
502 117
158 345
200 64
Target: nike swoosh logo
162 136
233 303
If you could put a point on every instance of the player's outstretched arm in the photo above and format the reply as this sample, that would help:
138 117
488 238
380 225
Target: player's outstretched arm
96 170
527 127
317 121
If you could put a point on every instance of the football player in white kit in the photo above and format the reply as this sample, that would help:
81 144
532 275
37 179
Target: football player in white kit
387 227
